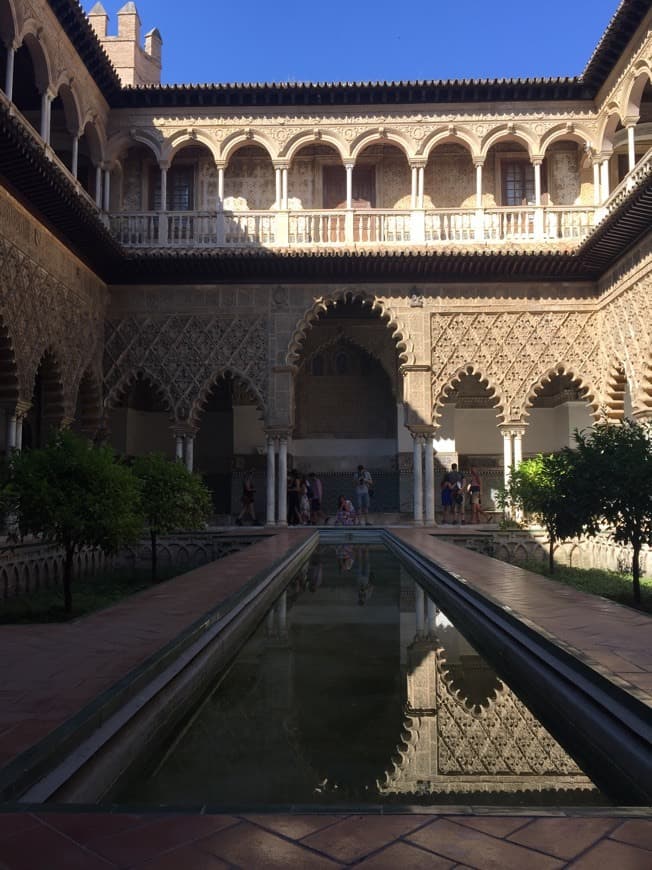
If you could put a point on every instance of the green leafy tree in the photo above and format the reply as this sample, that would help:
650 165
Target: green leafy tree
171 497
543 487
614 473
75 495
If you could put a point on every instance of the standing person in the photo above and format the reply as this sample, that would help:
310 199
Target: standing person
247 499
475 494
294 494
317 493
452 495
304 501
363 483
345 512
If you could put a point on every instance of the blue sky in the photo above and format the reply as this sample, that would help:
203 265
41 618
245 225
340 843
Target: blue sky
287 40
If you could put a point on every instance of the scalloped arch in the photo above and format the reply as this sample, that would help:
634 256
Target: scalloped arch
560 132
371 137
322 304
508 131
613 400
120 142
301 140
116 393
242 138
633 92
439 137
186 138
197 406
608 127
470 370
564 368
8 21
38 53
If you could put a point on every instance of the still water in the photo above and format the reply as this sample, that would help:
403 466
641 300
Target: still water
357 688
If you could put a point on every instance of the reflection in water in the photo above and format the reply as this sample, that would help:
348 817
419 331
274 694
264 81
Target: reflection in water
357 687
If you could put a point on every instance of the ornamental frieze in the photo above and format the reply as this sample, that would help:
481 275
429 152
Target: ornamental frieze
184 355
515 352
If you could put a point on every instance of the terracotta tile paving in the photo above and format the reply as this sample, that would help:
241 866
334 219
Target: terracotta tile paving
65 667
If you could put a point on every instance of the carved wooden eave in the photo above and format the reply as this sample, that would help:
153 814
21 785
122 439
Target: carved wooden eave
43 188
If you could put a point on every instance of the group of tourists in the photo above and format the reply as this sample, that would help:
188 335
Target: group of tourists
455 489
304 500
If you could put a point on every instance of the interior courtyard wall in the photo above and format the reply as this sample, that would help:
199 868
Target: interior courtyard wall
450 179
49 301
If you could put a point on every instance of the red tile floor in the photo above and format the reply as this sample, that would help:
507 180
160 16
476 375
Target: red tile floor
51 672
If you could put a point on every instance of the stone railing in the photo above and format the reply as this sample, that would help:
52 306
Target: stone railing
351 227
27 568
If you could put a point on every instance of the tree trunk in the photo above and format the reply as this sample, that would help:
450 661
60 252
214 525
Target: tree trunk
152 535
551 556
636 574
67 578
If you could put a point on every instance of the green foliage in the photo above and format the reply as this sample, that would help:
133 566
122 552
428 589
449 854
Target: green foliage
171 497
613 470
609 584
75 495
544 487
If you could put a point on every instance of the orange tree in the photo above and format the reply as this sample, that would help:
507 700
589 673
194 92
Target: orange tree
74 495
171 497
543 487
613 479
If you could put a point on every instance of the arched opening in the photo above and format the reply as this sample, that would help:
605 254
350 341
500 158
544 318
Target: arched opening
249 180
139 421
347 395
569 173
316 180
619 165
28 84
559 407
88 409
229 443
449 177
89 158
468 434
63 126
47 408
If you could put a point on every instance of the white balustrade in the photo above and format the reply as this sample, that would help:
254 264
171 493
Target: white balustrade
450 225
249 228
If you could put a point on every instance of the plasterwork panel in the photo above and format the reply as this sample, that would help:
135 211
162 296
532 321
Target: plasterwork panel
48 301
184 354
627 338
514 351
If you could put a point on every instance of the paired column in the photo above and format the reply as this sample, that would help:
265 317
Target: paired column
276 483
512 450
184 446
46 107
479 211
423 466
631 145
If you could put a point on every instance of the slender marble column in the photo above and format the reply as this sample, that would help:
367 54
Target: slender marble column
420 179
271 480
9 73
432 616
413 190
282 519
604 170
74 165
220 188
518 447
284 181
19 433
597 199
178 447
45 116
429 460
478 185
11 433
279 187
190 452
418 479
98 186
349 185
631 147
107 189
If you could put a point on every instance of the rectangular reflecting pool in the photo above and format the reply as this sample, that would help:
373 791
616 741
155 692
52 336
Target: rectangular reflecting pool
357 689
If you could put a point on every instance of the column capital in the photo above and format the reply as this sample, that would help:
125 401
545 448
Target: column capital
630 121
509 429
417 163
164 165
281 164
184 430
536 159
409 368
